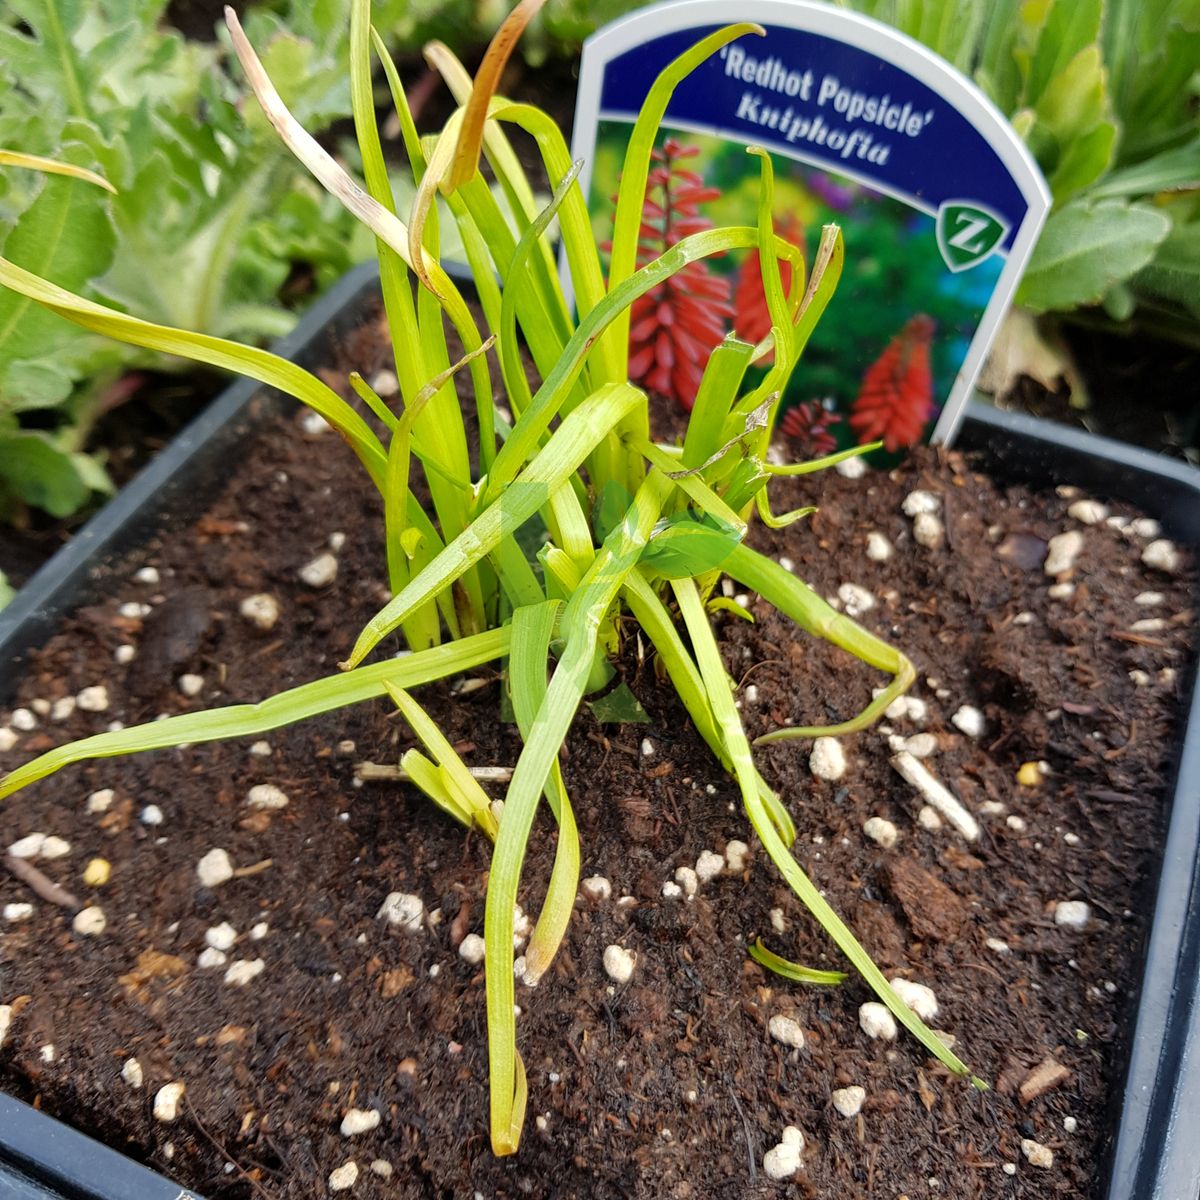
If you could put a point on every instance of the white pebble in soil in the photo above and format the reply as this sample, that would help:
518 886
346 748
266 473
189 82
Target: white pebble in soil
122 656
220 937
261 610
472 949
359 1120
259 931
23 720
19 910
266 796
1036 1154
688 880
1163 555
851 468
62 708
928 818
876 1021
148 575
917 996
1061 552
856 599
403 909
849 1100
190 685
879 549
167 1100
647 748
709 866
1060 591
671 891
783 1160
1146 528
343 1178
55 847
151 815
596 887
1149 599
786 1031
919 502
243 971
132 1073
881 831
90 921
1088 512
737 856
1072 914
928 530
921 745
827 760
93 699
319 572
261 749
99 801
8 739
215 868
619 964
30 846
969 720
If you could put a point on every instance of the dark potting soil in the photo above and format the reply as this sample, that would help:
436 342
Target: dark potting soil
669 1085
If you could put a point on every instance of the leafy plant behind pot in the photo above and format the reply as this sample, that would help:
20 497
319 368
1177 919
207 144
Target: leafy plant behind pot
207 219
629 525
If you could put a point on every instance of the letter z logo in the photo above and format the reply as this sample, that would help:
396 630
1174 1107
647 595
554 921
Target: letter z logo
967 233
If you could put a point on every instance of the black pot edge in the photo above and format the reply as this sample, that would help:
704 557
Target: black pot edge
43 1159
1152 1158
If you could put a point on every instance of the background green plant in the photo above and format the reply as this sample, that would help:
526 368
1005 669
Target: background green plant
209 219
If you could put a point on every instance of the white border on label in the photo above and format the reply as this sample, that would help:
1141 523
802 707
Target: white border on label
884 42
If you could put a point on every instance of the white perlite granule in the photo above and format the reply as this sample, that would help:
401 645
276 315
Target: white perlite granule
618 964
214 868
359 1120
786 1031
1072 914
166 1101
827 760
783 1161
403 909
849 1100
876 1021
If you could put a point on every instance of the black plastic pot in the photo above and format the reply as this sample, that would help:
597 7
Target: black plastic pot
1153 1157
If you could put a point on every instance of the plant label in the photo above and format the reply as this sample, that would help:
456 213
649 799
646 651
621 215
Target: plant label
938 200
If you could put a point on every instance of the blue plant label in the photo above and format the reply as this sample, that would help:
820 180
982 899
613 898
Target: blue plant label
939 203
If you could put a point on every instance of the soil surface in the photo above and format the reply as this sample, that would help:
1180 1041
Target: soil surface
669 1085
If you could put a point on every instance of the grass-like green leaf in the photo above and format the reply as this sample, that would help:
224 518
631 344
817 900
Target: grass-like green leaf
248 720
791 970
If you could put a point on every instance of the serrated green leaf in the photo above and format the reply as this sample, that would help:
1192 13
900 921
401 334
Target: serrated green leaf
1174 273
1087 248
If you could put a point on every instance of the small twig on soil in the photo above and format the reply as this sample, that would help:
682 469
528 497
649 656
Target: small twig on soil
212 1141
751 1156
936 794
46 888
254 869
375 772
